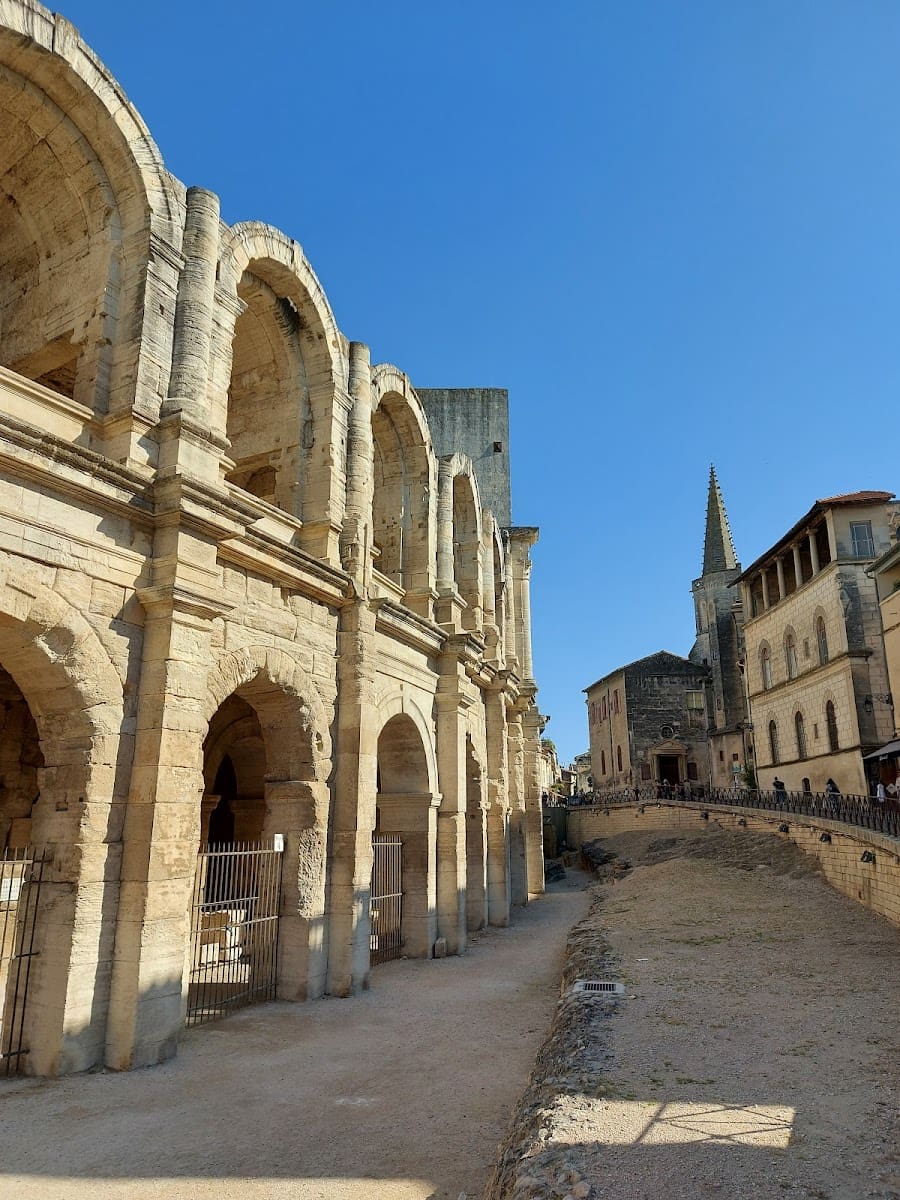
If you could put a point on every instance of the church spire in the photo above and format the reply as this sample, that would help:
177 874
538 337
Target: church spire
718 549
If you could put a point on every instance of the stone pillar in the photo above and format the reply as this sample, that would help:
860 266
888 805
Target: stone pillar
298 809
161 836
476 861
445 579
355 773
798 565
814 552
451 819
488 601
779 572
509 609
764 577
498 864
196 300
414 817
356 536
832 537
532 725
518 871
521 539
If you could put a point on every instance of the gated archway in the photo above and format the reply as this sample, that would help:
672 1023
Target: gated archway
257 927
407 818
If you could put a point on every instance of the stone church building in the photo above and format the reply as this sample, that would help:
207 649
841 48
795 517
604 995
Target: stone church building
254 590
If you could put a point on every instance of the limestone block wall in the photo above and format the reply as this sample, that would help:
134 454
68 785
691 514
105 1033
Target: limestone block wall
876 885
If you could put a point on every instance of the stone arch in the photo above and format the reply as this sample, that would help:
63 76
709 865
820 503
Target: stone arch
398 704
89 196
75 698
238 668
278 351
405 478
791 658
820 631
406 805
262 700
467 535
765 666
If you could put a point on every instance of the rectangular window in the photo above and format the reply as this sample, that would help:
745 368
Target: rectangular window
692 771
616 700
862 545
695 700
603 709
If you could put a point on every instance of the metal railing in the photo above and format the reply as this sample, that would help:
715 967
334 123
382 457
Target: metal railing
386 902
21 875
234 929
863 812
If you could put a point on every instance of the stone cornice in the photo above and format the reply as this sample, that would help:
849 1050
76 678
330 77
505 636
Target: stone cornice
398 622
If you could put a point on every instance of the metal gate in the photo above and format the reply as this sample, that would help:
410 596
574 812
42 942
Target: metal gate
21 873
234 928
386 898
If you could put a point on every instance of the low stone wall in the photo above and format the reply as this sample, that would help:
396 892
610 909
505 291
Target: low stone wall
874 884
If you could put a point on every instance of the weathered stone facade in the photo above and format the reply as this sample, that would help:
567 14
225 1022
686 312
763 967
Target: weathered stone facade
240 586
816 669
647 723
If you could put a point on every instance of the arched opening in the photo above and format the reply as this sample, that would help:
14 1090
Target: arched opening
60 760
822 640
800 729
269 422
405 808
258 904
476 843
765 667
831 726
400 505
790 655
466 549
618 758
773 743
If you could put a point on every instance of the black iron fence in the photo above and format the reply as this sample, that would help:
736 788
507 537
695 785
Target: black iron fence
863 812
385 906
21 875
234 929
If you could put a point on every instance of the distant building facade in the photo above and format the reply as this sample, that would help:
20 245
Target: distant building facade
647 723
817 675
584 779
883 765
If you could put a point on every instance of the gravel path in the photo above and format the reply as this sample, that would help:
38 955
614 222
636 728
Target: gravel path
755 1054
401 1093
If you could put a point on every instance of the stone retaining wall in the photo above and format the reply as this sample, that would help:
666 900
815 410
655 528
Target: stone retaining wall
875 884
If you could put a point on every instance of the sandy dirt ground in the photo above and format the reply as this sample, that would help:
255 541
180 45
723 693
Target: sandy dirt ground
756 1053
401 1093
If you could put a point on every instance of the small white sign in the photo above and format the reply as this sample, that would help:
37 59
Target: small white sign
279 842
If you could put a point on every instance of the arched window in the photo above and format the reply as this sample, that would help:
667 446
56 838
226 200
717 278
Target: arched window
773 742
602 762
801 735
619 757
790 655
831 723
765 667
822 640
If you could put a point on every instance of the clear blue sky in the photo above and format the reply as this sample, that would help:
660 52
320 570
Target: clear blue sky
670 228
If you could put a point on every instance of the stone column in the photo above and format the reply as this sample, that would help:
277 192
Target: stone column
521 539
355 773
196 300
814 552
498 864
356 537
445 579
162 834
298 809
779 572
509 608
798 565
489 602
516 753
451 818
764 577
532 726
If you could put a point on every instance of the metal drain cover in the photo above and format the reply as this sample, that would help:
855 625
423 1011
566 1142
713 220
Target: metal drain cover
602 987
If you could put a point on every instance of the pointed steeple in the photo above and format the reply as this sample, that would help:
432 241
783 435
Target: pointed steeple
718 549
